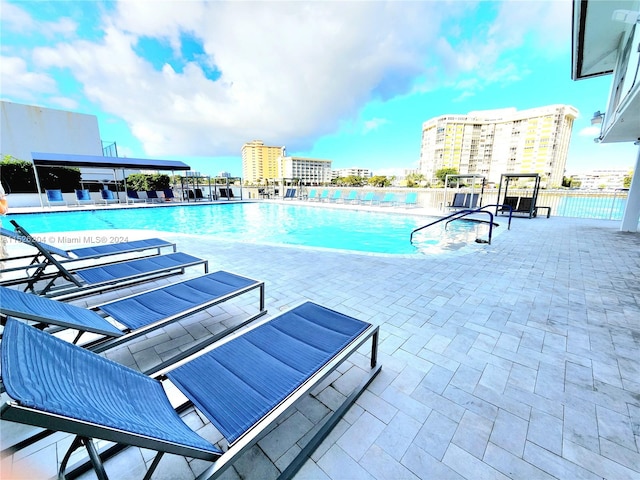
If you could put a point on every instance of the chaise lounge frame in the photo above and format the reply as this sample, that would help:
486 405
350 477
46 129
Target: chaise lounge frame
41 310
78 254
175 263
86 430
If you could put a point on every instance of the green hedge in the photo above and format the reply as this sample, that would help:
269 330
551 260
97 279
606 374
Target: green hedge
141 182
17 177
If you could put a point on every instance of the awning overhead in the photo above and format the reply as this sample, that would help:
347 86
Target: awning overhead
94 161
596 36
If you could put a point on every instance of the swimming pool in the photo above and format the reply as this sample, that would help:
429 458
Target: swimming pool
271 223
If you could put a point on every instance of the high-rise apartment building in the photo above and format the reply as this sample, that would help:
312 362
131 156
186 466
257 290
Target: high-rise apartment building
352 172
310 171
259 161
494 142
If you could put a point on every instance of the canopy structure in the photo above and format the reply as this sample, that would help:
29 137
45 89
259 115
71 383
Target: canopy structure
66 160
94 161
475 178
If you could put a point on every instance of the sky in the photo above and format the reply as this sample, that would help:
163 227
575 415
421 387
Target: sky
347 81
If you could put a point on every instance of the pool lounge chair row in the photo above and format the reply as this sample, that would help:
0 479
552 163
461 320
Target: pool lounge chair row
83 197
152 245
368 198
52 277
270 365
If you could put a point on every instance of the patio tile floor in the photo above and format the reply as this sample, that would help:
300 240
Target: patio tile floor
519 359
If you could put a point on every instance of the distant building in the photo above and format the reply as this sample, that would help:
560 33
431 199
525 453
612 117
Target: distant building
260 162
309 171
28 128
493 142
609 179
349 172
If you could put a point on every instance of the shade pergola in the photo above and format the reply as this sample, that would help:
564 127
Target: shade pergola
94 161
66 160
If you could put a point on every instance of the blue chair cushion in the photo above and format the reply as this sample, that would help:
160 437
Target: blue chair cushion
258 370
116 271
33 307
43 372
113 248
149 307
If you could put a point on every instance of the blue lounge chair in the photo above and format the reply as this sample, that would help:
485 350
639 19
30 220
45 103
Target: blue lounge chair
54 197
199 195
108 196
133 197
323 196
313 195
90 280
389 200
271 367
152 196
337 195
138 314
290 194
168 195
369 197
459 201
155 245
352 197
83 197
411 199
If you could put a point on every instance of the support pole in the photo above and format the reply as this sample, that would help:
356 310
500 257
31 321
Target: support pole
631 214
35 172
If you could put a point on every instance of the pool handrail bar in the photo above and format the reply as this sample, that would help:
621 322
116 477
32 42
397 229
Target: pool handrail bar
442 219
463 213
502 208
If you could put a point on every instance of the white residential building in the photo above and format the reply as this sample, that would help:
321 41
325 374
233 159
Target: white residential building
607 179
354 171
310 171
494 142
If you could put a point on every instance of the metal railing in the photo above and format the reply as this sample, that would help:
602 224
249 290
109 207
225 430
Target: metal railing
457 216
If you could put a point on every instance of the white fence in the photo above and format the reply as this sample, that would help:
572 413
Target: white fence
607 205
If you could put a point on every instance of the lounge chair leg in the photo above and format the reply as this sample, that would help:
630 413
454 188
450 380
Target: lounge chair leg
153 466
330 423
93 455
75 340
374 349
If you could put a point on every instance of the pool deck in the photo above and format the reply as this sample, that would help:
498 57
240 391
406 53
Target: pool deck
519 359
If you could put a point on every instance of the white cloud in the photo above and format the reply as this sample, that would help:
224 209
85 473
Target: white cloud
374 124
19 81
592 131
290 71
15 19
493 53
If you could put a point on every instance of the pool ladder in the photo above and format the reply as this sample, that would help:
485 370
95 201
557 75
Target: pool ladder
463 213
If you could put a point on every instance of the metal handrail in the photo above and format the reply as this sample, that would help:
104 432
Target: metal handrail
463 213
502 208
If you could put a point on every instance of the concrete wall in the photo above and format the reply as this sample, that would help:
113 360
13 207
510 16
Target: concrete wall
27 128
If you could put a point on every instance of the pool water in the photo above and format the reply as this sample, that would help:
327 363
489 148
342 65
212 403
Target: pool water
270 223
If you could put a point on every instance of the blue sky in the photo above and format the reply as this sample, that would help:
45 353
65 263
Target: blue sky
347 81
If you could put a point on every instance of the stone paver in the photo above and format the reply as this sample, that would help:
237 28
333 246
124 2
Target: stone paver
519 359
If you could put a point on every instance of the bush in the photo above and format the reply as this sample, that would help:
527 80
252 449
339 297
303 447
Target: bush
141 182
17 176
